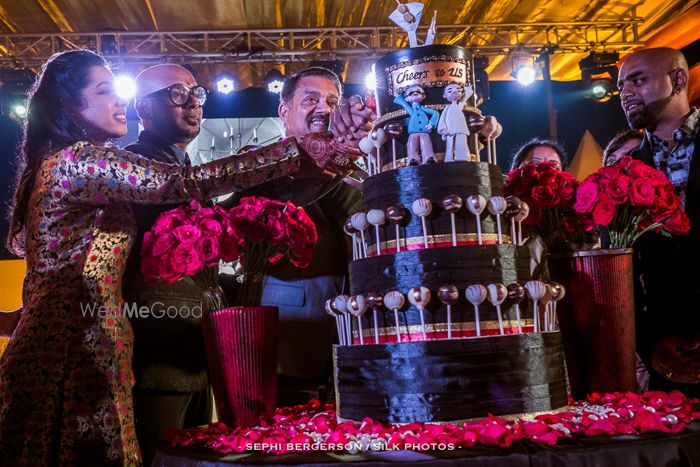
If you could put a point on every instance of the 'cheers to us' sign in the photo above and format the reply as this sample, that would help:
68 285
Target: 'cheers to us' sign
428 72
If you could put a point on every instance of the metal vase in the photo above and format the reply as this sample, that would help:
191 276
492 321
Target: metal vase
596 317
241 345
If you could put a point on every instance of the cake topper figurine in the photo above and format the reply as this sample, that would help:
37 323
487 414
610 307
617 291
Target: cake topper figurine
375 300
420 297
421 121
448 294
476 294
376 217
422 208
357 305
394 300
407 16
453 124
516 294
452 204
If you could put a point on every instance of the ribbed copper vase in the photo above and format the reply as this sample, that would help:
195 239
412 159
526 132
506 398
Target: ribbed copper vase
241 344
596 317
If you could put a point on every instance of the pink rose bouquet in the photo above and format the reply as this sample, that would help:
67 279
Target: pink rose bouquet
189 241
630 198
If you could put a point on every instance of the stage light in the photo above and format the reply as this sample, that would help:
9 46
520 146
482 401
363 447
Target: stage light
125 87
224 85
599 75
20 110
525 75
371 81
275 86
274 81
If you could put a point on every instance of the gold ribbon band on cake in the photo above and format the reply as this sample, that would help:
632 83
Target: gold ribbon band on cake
436 241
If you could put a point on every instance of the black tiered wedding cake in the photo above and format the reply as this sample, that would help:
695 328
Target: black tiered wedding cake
437 288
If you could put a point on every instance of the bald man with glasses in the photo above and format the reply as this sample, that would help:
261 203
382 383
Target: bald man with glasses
172 389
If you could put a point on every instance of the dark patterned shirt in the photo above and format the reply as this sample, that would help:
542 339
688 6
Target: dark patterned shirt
674 161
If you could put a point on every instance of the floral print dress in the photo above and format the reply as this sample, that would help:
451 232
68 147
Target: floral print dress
65 378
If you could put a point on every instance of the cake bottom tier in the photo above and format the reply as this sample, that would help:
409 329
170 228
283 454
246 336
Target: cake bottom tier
450 380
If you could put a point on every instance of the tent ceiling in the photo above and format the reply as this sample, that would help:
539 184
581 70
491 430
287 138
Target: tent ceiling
64 16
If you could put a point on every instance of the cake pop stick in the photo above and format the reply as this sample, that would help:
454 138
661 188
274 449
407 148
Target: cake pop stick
420 297
376 217
396 215
497 206
357 305
394 300
516 294
375 300
448 294
378 138
394 130
513 207
497 293
452 204
367 147
340 304
360 223
351 231
535 291
519 217
476 205
476 294
331 311
558 292
546 302
422 208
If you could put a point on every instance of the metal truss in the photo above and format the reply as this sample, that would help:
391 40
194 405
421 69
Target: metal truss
289 45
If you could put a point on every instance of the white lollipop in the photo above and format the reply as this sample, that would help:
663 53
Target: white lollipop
367 147
476 294
394 300
329 309
357 305
497 205
340 304
378 138
376 217
476 205
420 297
535 290
422 207
497 293
519 217
360 223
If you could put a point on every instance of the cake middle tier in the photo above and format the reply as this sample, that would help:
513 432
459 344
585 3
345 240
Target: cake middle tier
460 266
435 182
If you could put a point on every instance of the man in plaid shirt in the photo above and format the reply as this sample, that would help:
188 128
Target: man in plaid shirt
653 87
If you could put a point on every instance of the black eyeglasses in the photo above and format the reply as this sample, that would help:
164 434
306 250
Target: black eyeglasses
417 92
179 94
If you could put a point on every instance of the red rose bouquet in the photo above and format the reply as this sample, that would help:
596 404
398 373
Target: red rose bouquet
550 194
189 241
631 198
